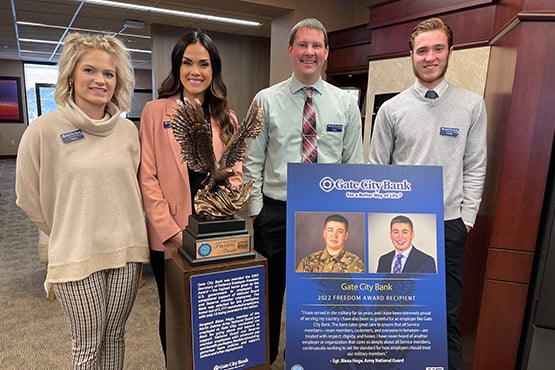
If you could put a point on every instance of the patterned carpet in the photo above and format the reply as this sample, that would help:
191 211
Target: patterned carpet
33 330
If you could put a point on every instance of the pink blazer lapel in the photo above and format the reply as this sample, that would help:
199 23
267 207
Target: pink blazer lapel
176 148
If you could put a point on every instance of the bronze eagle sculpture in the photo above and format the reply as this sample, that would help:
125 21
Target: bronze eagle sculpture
217 199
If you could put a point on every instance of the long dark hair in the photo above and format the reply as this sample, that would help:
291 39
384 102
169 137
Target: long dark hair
216 95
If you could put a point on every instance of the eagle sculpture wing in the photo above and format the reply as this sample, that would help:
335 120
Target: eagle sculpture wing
235 150
217 200
194 134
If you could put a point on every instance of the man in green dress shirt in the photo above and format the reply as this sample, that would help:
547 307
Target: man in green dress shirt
339 140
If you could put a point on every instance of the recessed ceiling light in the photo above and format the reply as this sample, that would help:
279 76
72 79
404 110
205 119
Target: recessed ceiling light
176 13
57 42
139 51
137 25
37 52
79 29
39 41
33 24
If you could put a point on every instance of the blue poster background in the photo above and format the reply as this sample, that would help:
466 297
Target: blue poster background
366 320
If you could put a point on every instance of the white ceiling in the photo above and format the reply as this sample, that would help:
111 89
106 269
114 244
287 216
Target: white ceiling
64 15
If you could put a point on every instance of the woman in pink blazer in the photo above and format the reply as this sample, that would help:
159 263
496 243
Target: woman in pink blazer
168 186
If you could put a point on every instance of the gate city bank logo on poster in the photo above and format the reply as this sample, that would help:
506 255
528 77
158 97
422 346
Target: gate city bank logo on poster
366 188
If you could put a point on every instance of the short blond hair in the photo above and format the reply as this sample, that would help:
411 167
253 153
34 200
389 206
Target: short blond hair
75 45
430 25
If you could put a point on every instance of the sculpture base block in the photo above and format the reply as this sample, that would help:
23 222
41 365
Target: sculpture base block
215 241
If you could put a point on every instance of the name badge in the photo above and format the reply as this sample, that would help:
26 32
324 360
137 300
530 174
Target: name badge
449 131
167 124
68 137
335 127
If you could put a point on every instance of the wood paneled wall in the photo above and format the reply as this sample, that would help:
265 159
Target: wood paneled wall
402 11
519 96
350 48
474 29
525 130
348 62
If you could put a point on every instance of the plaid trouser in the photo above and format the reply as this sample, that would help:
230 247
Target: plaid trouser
97 309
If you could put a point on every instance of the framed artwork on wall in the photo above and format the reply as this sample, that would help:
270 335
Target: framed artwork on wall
11 109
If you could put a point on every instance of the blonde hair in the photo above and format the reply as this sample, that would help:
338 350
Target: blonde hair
75 45
430 25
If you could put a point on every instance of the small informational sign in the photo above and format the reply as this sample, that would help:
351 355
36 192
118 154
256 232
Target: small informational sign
228 316
351 302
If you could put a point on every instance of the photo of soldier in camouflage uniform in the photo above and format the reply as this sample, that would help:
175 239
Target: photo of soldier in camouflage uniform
334 257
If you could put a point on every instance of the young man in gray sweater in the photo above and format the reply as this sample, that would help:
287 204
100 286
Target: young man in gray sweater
435 123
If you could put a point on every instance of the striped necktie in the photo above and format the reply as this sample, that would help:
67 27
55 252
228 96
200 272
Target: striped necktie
397 267
310 141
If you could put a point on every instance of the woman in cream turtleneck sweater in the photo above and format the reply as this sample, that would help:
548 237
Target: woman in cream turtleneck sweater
76 179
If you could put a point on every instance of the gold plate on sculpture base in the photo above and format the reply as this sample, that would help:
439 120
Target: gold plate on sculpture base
215 241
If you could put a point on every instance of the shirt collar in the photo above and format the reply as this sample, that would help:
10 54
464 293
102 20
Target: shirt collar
439 89
297 85
326 256
406 252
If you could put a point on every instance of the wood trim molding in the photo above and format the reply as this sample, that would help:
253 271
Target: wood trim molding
403 11
509 265
536 17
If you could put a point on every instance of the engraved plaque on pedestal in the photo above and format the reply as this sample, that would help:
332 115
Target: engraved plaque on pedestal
215 241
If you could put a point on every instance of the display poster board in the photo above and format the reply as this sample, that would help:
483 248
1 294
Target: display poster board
228 315
341 312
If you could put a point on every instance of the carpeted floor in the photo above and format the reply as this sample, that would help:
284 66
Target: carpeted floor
33 330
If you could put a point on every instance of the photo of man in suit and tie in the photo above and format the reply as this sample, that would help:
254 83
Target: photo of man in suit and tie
405 257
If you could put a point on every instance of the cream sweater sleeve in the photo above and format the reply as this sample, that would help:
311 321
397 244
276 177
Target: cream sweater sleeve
28 175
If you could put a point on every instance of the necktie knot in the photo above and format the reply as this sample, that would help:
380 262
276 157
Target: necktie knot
431 94
308 91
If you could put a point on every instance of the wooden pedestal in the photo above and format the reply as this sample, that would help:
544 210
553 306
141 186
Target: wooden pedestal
179 325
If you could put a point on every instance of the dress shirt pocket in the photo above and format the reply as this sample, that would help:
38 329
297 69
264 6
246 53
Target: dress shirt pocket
330 145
